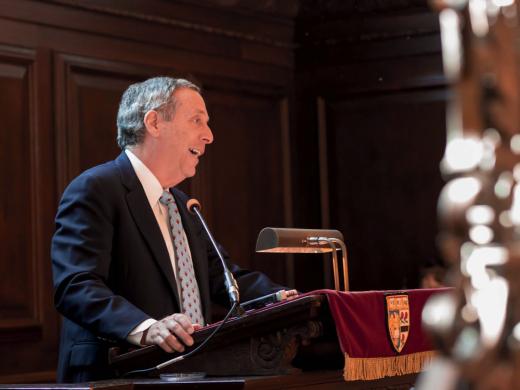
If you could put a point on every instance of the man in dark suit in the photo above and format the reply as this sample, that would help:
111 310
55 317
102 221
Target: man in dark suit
120 251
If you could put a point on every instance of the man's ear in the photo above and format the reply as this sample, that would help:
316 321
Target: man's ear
151 122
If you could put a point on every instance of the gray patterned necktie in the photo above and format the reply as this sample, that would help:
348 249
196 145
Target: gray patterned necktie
190 296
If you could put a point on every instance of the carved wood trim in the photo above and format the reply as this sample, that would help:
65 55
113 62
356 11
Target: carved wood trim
324 181
18 323
67 128
287 182
175 23
341 8
361 79
18 54
247 87
64 166
28 327
20 330
30 377
323 162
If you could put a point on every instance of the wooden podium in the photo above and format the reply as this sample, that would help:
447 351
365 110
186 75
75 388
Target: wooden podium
291 344
261 342
264 349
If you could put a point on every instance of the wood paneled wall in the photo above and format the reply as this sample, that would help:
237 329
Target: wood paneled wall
325 114
63 67
372 94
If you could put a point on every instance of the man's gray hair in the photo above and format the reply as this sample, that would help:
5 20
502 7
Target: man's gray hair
138 99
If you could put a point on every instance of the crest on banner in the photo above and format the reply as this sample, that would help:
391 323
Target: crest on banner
397 320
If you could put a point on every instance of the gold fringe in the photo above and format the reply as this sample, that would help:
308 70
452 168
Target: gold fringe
376 368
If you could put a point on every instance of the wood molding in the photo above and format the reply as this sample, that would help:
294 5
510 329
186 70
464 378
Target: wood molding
13 324
20 331
173 22
24 59
30 377
321 109
365 78
266 8
342 8
17 54
66 67
323 161
287 182
335 34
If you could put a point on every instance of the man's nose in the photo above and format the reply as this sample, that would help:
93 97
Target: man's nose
207 135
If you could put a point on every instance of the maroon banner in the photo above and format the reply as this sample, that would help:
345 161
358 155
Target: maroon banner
362 327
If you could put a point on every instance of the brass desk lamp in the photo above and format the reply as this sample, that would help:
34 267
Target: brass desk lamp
288 240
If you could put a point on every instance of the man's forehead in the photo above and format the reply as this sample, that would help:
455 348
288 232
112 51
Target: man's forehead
190 100
187 93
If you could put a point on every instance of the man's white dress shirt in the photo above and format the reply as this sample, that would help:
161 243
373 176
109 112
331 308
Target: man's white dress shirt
153 190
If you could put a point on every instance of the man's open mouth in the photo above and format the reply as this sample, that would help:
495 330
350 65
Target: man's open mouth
195 152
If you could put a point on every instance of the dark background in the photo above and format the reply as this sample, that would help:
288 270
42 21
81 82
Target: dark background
326 113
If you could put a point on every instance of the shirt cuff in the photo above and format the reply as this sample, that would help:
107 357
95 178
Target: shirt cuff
134 337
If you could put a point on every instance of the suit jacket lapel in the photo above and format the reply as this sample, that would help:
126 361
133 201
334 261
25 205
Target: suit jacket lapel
145 220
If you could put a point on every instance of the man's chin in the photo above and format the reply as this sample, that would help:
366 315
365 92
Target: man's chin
190 173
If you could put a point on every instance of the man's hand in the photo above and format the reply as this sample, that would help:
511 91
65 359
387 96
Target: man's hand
171 333
291 294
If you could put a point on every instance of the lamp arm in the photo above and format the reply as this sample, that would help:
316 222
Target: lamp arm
344 258
329 242
334 262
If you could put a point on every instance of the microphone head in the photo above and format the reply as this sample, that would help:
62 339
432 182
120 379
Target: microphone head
192 204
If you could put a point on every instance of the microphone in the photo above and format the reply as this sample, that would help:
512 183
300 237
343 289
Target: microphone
230 282
260 302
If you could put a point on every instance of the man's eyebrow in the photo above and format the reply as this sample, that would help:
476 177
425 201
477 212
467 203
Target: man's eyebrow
198 112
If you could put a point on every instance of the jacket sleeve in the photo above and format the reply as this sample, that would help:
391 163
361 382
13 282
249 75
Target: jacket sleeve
81 261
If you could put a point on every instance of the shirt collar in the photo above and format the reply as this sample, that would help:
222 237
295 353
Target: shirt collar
152 187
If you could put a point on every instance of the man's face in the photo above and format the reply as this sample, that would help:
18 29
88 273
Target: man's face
184 137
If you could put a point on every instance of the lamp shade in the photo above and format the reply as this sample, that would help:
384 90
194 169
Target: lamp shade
287 240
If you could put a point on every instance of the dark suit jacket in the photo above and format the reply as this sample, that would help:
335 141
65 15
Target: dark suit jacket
112 270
